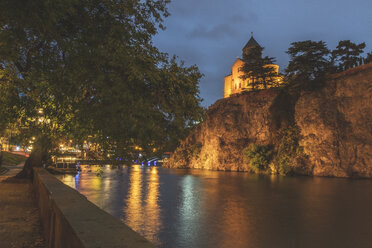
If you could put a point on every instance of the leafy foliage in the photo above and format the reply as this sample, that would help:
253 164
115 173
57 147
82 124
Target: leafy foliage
368 59
73 69
347 54
287 149
309 60
275 159
195 150
258 157
256 68
9 102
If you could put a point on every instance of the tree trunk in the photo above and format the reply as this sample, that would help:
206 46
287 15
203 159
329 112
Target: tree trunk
38 157
1 157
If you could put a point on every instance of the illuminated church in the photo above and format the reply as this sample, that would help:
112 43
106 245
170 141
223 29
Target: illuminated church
234 84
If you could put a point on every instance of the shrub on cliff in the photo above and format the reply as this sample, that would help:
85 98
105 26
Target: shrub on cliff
184 154
278 159
258 157
288 149
195 149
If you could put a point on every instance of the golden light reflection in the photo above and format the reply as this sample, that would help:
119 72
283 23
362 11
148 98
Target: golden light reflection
236 224
134 212
69 180
152 208
143 211
94 184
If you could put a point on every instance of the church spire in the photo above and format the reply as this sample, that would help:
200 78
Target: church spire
250 44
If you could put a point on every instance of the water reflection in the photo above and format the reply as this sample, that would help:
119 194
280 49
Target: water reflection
189 211
152 208
133 210
142 211
194 208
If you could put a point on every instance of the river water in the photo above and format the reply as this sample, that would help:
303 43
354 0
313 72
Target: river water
195 208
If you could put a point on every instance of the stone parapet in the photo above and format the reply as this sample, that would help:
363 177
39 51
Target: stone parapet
70 220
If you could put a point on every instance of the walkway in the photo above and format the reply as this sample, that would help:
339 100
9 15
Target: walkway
19 217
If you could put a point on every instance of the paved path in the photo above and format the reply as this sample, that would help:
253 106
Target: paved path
19 217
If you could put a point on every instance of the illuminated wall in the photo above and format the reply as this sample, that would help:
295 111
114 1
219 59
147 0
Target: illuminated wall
234 84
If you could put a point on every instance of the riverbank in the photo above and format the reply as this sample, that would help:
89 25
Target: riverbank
19 217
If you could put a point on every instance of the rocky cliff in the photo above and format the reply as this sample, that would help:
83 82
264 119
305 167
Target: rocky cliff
334 126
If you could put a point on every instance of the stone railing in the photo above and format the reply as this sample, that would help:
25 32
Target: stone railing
70 220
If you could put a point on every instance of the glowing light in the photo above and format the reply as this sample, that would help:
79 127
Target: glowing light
134 211
142 210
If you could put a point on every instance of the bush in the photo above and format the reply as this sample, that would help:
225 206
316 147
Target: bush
288 149
283 165
266 159
258 157
195 149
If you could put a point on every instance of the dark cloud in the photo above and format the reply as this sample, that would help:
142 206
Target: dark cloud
219 31
211 33
246 18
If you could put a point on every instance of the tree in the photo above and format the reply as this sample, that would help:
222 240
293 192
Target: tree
9 102
257 69
368 59
78 69
347 54
309 60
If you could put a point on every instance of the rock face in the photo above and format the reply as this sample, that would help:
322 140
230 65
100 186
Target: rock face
335 124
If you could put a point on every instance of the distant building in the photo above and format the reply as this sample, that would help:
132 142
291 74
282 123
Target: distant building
234 84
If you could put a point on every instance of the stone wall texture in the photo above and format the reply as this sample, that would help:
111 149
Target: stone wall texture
70 220
335 124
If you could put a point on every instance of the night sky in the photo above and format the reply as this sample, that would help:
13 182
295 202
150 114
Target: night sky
212 33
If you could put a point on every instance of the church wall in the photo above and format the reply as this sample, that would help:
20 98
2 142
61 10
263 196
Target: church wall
227 88
235 85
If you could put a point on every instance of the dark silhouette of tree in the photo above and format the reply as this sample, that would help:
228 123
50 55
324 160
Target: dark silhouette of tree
368 59
347 55
9 102
308 60
73 69
258 71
